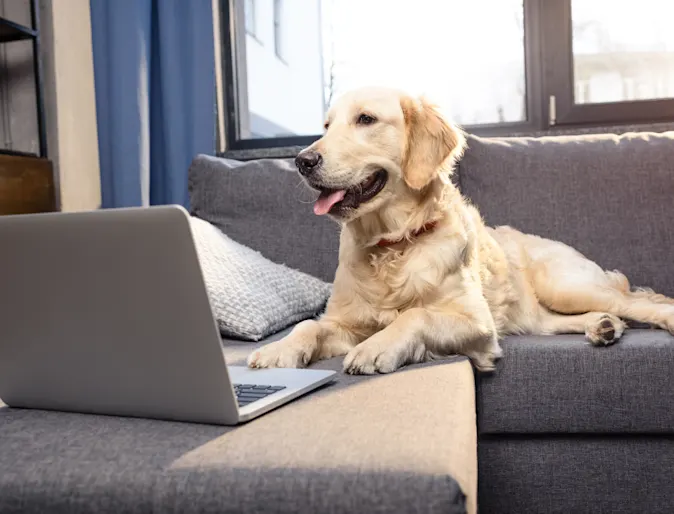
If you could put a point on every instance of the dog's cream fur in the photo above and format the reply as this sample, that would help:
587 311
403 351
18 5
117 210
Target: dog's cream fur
455 289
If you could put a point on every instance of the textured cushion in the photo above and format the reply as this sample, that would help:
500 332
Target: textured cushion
264 205
251 296
335 450
560 384
579 475
608 196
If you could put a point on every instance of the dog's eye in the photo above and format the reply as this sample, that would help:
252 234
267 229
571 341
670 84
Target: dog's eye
365 119
326 125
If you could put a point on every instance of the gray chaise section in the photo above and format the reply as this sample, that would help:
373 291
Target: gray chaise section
399 443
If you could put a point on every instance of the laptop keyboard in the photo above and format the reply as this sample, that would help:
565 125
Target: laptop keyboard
249 393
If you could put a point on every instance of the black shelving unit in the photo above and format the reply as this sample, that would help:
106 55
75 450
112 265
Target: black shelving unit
11 32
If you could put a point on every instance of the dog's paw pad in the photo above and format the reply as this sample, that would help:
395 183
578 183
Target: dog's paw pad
607 330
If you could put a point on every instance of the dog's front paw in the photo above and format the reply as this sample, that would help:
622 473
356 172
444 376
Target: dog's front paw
361 360
280 354
372 356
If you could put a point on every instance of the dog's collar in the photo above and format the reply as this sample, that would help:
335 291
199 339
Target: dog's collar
426 228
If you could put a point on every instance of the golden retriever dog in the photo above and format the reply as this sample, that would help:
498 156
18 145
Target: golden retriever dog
420 276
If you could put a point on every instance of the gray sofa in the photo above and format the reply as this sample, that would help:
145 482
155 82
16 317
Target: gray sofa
559 426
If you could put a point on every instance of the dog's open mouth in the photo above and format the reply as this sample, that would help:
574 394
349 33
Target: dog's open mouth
336 201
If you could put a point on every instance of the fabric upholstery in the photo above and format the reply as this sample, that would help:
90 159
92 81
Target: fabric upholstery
251 296
404 442
561 384
579 475
608 196
265 206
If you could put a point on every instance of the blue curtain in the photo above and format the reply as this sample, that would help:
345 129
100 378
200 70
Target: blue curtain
155 96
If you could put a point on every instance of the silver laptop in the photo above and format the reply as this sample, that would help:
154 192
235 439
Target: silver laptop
106 312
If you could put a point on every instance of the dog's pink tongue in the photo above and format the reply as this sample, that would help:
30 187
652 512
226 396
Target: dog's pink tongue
326 201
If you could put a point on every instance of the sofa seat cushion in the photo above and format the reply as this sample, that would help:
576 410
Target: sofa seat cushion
561 384
608 196
404 442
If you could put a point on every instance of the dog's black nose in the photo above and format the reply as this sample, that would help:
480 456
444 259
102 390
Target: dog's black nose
308 162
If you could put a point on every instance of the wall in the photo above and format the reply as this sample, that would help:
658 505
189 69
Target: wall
70 103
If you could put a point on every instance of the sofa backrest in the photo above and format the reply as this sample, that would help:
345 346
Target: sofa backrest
264 205
611 197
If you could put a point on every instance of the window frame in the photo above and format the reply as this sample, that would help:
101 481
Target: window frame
560 83
549 84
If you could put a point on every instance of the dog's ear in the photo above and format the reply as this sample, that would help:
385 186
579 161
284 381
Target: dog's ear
432 144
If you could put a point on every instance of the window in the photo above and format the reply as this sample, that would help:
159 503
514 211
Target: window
622 55
497 67
249 18
326 49
608 63
433 57
278 29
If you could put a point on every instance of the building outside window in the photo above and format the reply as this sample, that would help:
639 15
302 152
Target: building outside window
249 18
278 29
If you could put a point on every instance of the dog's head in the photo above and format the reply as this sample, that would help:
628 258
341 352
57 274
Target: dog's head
379 146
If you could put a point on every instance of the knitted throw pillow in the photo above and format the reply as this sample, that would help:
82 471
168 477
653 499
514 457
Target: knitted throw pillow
251 296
